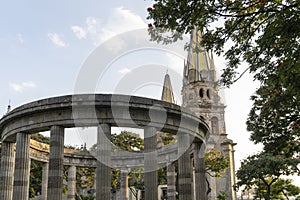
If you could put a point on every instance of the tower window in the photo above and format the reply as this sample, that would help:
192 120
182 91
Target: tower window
208 93
201 93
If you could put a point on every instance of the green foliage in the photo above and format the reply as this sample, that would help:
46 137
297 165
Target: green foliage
265 169
222 195
265 34
36 169
115 179
216 162
136 179
283 189
85 178
40 138
87 197
127 141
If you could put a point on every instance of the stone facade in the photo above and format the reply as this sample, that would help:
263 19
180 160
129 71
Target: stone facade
200 94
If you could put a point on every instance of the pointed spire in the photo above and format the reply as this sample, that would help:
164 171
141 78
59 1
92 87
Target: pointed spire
167 93
199 65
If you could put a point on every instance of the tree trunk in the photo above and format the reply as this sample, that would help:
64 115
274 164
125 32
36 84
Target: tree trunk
268 192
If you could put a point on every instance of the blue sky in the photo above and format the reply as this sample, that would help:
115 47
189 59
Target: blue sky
44 44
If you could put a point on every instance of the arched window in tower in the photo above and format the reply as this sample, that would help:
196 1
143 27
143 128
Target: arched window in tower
208 93
201 92
214 125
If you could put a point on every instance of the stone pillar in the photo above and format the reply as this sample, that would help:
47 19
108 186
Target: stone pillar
171 181
22 167
71 182
227 180
7 170
200 182
124 185
103 178
150 163
45 181
184 167
56 161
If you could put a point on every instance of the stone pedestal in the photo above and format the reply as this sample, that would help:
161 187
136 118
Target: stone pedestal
150 163
103 178
184 168
45 181
71 182
199 165
124 195
171 175
56 161
7 170
22 167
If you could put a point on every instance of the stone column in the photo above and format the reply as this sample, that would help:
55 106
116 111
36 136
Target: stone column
150 163
7 170
45 181
56 161
200 182
171 181
71 182
184 167
22 167
103 178
124 185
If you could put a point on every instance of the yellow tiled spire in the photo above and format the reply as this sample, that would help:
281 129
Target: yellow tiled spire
167 93
199 65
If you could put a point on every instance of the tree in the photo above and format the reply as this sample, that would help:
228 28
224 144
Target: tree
127 141
36 169
215 164
283 189
264 168
265 34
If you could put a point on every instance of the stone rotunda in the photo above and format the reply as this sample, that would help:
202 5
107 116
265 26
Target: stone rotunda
197 124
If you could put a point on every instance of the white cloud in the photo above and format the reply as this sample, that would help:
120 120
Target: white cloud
124 70
79 32
20 38
20 87
121 20
55 38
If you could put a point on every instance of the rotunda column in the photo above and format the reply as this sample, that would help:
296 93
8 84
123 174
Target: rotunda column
124 184
56 161
71 182
45 180
184 167
103 177
199 164
22 167
7 170
171 181
150 163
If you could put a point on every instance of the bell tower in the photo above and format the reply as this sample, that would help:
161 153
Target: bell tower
200 94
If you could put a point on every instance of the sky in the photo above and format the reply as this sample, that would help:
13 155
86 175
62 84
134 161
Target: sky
45 45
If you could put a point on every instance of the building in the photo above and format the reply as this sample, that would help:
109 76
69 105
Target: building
200 94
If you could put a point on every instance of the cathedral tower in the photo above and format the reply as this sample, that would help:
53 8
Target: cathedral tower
200 94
